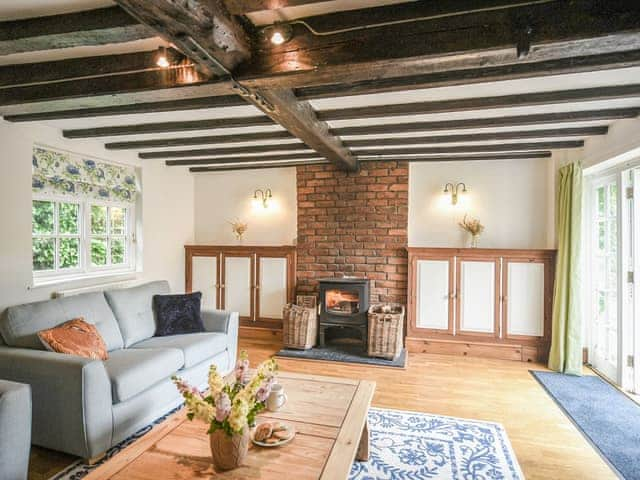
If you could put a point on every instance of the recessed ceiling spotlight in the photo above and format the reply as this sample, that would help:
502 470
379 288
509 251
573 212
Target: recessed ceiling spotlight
278 33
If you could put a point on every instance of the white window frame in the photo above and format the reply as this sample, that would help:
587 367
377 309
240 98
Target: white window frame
86 269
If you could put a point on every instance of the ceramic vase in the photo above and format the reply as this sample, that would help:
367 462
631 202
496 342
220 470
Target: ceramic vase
228 452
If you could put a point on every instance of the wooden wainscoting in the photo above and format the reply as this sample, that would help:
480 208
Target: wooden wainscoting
494 303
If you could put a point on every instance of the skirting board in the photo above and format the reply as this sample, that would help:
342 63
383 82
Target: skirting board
519 353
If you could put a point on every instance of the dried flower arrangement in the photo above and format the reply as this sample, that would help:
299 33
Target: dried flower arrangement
474 227
238 228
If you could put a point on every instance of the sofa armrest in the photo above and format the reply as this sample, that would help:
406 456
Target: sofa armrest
15 429
71 397
224 322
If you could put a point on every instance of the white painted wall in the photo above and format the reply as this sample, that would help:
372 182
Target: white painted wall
167 201
512 198
226 196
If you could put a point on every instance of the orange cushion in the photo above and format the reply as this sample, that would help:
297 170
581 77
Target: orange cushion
75 337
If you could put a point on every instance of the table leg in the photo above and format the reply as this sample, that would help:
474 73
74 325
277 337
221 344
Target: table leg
363 449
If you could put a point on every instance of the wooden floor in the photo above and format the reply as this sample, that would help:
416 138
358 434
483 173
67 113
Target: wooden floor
545 441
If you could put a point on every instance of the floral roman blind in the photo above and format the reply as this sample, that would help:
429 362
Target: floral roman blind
63 173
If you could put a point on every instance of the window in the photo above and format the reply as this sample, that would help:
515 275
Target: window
604 276
108 235
56 236
83 216
71 238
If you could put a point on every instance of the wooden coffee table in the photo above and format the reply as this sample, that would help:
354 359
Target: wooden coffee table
330 417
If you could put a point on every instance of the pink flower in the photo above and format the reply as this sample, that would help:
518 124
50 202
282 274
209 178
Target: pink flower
264 391
223 406
242 370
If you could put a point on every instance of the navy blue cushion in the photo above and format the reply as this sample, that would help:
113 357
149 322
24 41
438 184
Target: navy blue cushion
177 314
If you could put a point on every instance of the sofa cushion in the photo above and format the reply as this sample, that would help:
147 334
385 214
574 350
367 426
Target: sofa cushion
177 314
133 309
196 347
75 337
132 371
20 324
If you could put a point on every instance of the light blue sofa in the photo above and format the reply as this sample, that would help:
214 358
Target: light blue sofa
83 406
15 430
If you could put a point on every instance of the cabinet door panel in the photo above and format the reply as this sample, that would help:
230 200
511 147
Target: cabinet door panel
238 288
272 291
204 278
433 294
477 297
525 299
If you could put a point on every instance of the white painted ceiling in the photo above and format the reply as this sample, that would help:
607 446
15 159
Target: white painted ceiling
16 9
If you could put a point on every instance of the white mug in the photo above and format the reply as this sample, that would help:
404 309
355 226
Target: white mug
277 398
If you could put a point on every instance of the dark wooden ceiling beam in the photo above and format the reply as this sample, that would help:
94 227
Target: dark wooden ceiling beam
484 103
468 157
207 33
103 81
560 30
511 147
87 28
479 137
201 152
202 30
261 158
510 121
164 127
147 107
563 66
256 166
301 120
203 140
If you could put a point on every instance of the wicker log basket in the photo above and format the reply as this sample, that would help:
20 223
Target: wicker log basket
386 327
300 323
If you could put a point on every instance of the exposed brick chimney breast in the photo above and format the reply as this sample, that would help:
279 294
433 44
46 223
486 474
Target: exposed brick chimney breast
354 224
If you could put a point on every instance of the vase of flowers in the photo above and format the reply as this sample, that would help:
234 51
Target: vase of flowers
474 227
230 408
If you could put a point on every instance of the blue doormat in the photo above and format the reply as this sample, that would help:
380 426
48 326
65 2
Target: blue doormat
343 353
608 418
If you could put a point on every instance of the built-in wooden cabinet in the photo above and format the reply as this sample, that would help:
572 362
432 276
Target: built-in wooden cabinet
254 281
490 302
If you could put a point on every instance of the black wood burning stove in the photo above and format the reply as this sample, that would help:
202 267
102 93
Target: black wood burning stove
344 303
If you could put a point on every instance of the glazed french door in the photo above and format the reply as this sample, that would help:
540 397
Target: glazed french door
605 315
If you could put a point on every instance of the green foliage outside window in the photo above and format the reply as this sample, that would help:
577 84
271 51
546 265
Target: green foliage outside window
98 252
43 217
44 253
107 229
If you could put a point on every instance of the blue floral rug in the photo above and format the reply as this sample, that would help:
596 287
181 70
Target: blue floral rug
407 446
417 446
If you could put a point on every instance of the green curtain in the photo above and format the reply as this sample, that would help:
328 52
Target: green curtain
566 341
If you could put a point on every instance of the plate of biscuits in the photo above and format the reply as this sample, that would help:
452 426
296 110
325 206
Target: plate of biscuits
273 434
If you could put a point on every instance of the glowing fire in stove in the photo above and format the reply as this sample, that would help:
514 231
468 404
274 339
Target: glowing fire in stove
342 301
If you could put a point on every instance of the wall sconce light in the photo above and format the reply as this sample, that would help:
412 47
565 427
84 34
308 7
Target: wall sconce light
262 197
453 190
278 33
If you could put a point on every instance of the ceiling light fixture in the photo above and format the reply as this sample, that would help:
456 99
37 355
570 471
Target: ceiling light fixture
162 60
278 33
